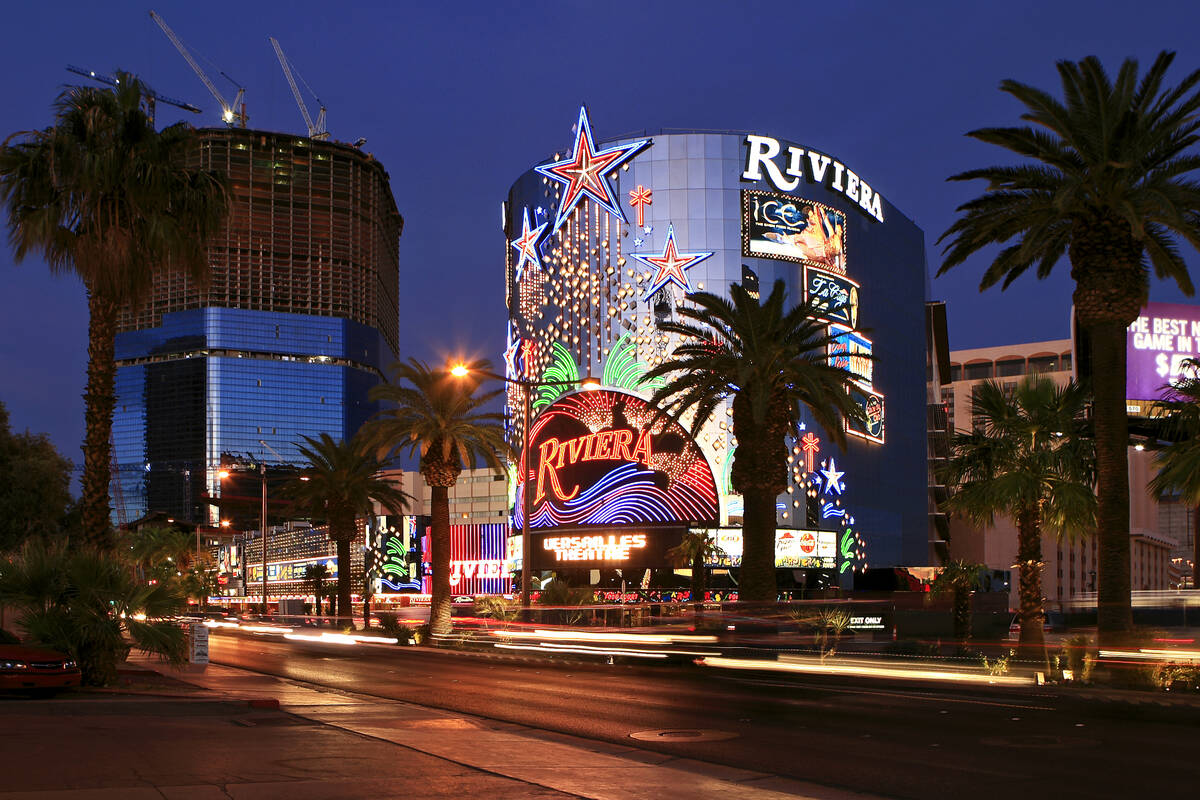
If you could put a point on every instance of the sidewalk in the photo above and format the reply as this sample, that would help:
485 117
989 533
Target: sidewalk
218 734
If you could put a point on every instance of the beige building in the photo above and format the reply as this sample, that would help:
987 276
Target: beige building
1158 530
479 497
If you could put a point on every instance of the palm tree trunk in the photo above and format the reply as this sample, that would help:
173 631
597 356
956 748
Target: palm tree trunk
757 583
343 583
698 580
98 416
1030 564
439 602
1114 611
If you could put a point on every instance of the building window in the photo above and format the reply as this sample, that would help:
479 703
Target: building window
1010 367
956 371
977 371
1040 364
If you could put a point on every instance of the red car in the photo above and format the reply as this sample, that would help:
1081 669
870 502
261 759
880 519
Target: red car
23 667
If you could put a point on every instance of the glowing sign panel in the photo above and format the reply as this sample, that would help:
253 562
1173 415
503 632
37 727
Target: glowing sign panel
872 406
572 550
595 458
594 548
790 229
1157 344
794 549
836 296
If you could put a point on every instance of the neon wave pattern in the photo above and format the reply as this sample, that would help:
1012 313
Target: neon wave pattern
628 495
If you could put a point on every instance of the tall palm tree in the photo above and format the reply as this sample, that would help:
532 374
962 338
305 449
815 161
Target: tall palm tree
1179 463
958 579
340 484
695 551
104 195
1104 182
770 361
439 417
1032 458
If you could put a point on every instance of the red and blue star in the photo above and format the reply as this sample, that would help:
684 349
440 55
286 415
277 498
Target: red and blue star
671 265
582 174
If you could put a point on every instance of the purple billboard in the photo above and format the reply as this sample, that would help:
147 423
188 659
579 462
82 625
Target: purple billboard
1157 344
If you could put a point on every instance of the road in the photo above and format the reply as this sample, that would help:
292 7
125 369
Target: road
894 740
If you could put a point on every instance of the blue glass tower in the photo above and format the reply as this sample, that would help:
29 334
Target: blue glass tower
296 324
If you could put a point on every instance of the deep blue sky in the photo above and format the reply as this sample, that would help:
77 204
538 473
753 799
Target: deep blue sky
458 99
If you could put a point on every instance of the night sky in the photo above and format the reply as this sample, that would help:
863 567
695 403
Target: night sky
458 99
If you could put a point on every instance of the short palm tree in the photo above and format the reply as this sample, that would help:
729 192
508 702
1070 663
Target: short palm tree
1033 458
958 579
104 195
1105 183
314 577
87 603
340 484
1179 463
440 418
771 361
696 550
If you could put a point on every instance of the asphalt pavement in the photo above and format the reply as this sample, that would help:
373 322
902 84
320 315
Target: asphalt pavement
226 732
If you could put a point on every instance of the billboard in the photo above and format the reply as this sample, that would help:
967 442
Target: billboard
789 228
872 405
603 457
836 295
794 549
1157 345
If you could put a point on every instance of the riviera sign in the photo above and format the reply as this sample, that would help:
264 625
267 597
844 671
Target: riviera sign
811 167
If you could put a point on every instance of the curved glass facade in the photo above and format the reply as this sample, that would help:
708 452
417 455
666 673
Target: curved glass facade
718 208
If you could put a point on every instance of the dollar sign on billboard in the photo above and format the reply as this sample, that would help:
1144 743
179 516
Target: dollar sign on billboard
1161 362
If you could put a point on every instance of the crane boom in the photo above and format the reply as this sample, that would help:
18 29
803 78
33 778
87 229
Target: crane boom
151 95
316 131
228 112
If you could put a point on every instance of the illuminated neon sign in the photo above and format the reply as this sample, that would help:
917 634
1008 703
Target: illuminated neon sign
594 548
602 458
850 351
670 265
810 167
583 173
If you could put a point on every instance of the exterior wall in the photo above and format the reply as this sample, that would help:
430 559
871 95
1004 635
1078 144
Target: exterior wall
1070 570
585 310
295 326
480 496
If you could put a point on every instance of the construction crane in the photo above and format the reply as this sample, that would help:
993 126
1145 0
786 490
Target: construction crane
228 112
151 96
315 131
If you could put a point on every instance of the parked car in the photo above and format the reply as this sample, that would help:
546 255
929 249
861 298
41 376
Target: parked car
25 667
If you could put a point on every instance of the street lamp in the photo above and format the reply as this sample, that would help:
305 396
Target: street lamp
588 383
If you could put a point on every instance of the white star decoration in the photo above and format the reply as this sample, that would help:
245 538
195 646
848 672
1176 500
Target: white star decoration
526 243
670 265
833 478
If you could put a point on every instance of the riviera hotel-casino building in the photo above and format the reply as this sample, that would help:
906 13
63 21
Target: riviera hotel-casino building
604 241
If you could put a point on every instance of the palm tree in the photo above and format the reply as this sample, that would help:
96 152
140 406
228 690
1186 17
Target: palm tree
696 550
770 361
87 603
340 484
105 196
1179 464
438 417
1104 183
1032 458
314 578
959 579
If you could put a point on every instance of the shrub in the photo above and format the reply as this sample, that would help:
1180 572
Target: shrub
86 603
8 637
1078 657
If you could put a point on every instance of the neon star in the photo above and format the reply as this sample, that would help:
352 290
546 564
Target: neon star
639 198
526 243
583 173
833 479
670 265
510 357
